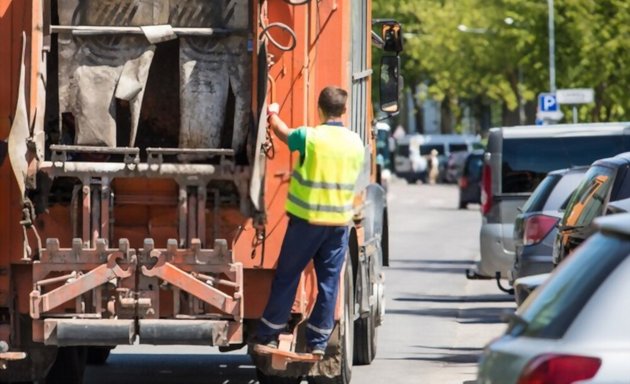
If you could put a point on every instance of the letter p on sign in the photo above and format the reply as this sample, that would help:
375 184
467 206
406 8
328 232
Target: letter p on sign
547 102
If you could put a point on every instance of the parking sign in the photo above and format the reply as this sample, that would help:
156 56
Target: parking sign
548 108
547 102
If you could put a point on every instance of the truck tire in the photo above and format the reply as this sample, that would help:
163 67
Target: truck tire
365 339
69 366
98 355
346 347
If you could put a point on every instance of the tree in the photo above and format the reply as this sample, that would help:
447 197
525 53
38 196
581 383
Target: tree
465 50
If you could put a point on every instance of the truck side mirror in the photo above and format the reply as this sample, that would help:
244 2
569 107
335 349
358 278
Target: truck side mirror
389 84
391 34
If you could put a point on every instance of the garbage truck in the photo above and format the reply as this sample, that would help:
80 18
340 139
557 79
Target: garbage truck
142 192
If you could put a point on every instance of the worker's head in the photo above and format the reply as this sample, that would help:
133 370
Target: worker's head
332 102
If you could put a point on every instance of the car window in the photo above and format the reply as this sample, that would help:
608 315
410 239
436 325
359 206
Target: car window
474 164
426 149
526 161
536 201
561 193
458 148
402 150
552 308
589 199
622 188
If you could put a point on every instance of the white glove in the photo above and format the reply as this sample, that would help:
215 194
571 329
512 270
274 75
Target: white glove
273 109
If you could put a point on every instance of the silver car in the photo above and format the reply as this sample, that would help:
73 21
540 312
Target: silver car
516 161
535 227
574 328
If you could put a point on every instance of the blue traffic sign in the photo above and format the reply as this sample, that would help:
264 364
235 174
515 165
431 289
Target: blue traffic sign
547 102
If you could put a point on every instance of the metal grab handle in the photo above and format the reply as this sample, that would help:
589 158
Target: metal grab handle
91 30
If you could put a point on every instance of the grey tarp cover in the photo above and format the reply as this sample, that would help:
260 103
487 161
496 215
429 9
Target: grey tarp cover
209 67
95 70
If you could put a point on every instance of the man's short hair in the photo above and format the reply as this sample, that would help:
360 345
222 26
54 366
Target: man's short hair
332 101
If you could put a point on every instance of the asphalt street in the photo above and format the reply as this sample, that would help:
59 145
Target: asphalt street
436 325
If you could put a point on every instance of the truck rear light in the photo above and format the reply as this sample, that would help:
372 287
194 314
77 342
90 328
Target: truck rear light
537 227
559 369
463 182
486 189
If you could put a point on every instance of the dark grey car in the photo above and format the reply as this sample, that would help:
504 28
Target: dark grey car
535 227
470 181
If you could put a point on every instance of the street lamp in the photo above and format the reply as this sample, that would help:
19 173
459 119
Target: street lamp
552 49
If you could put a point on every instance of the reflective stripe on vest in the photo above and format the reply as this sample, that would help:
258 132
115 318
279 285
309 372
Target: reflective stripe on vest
322 187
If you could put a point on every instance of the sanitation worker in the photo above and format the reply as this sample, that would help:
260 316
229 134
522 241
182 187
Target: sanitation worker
320 207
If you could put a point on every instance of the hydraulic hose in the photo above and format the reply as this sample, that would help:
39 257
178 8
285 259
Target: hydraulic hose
287 29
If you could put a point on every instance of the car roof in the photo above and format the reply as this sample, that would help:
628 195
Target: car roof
615 161
619 206
560 130
438 139
562 172
618 223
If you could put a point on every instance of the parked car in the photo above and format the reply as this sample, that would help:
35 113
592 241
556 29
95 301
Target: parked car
455 166
535 227
470 181
516 161
607 180
413 150
524 286
574 327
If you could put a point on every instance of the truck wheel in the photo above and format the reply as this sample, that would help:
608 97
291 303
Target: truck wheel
98 355
347 337
365 339
271 379
68 367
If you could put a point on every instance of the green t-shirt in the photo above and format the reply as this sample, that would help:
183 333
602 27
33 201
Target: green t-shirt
297 141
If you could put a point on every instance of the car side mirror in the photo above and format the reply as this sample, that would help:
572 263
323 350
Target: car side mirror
390 84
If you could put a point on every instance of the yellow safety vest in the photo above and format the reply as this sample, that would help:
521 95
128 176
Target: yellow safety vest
322 187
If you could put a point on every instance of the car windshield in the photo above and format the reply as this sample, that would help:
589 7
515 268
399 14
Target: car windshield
590 198
426 149
474 166
549 312
536 201
458 147
402 150
526 161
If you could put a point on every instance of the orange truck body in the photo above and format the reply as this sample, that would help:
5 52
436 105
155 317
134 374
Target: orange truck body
104 245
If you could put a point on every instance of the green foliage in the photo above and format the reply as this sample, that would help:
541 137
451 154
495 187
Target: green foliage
496 62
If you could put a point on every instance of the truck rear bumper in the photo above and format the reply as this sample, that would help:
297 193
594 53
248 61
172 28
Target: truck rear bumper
107 332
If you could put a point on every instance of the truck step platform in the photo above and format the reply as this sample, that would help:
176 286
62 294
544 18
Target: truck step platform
287 355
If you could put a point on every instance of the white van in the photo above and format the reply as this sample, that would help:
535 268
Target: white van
515 162
412 152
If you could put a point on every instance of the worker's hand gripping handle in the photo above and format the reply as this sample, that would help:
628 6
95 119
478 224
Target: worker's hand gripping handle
273 109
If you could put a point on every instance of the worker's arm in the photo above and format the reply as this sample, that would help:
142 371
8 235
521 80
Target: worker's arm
279 127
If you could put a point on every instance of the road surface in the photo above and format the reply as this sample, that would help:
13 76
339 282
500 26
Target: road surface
436 325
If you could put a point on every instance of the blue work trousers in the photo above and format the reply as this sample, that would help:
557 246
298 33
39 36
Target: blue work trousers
303 242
